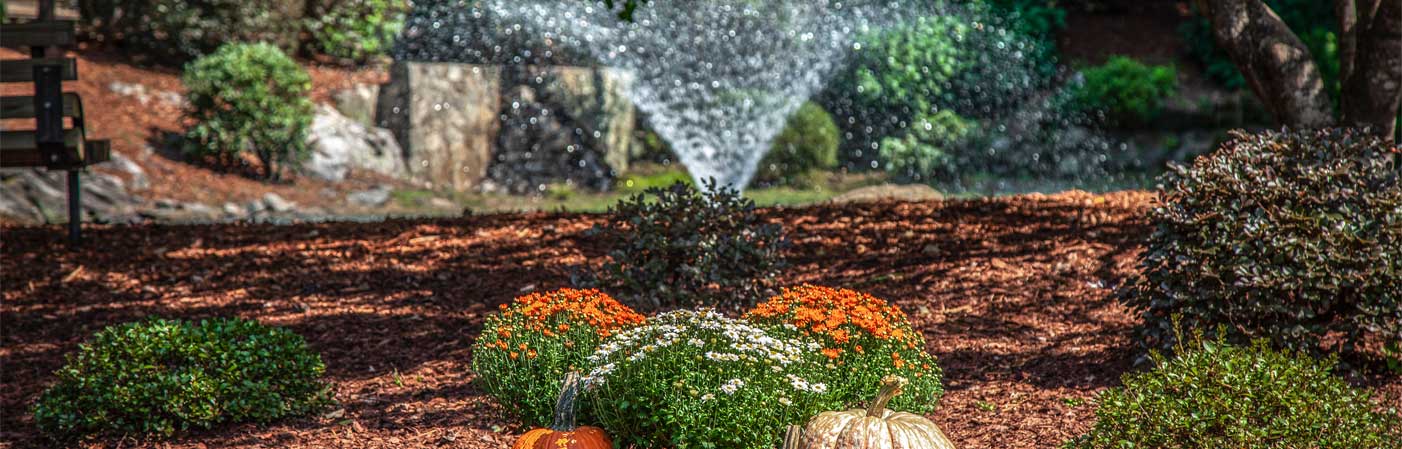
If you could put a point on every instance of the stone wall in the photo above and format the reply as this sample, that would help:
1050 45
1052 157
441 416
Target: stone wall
445 117
474 127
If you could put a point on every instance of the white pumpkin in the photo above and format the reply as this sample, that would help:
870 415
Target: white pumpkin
873 428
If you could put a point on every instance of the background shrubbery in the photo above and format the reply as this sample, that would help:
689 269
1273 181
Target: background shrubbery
175 31
807 145
1288 236
161 377
354 30
1215 395
248 98
1123 92
682 247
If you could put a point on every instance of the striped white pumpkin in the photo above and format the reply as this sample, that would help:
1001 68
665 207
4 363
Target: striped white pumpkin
872 428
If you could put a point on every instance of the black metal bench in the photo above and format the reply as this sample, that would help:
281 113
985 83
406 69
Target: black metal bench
52 143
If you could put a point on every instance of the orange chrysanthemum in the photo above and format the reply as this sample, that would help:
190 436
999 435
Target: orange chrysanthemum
837 314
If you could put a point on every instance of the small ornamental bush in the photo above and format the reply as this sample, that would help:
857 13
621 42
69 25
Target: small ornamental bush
691 379
249 98
807 145
1124 91
355 30
159 377
1216 395
1288 236
680 247
523 353
866 339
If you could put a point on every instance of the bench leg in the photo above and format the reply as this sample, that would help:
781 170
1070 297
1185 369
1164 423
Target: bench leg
75 208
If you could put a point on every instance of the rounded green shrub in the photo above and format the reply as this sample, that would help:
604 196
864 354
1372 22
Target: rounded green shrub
682 247
248 98
1216 395
354 30
1124 91
525 351
807 145
699 379
159 377
1288 236
175 31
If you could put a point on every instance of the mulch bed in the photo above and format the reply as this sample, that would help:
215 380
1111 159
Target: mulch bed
1013 296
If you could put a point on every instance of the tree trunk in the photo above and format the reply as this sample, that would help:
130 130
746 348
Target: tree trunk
1276 64
1372 88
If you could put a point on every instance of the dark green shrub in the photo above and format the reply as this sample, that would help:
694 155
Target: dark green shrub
808 144
159 377
1287 236
927 149
1313 21
1124 91
176 31
248 98
354 30
1221 396
678 246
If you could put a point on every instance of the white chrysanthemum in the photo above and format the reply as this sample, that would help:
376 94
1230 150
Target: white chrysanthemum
732 386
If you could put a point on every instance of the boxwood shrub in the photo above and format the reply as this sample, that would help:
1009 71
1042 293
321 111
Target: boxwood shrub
158 377
1288 236
248 98
1217 395
354 30
680 246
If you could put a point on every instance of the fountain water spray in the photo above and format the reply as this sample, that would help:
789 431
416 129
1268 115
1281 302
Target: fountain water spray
718 79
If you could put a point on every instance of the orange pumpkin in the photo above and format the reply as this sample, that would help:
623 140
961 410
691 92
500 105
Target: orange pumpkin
562 434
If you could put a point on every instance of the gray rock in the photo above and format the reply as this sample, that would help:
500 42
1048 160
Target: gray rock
166 203
340 145
40 196
440 203
358 103
233 210
375 197
276 203
200 209
445 117
139 181
887 192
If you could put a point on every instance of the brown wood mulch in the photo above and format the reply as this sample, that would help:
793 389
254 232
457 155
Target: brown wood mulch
1012 294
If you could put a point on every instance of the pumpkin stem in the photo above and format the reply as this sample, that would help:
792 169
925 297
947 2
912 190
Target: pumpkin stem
564 406
890 387
793 438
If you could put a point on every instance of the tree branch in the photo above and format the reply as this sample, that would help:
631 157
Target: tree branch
1372 93
1274 61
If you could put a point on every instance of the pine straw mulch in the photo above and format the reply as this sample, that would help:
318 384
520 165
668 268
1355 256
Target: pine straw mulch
1013 295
